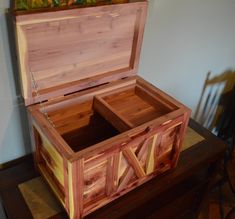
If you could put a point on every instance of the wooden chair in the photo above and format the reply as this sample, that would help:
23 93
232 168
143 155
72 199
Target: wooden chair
218 114
213 98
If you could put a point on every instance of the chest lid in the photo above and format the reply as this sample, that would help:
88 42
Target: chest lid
64 51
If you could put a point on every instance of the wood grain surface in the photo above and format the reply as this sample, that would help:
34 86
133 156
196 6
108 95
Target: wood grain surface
134 129
41 201
102 142
183 185
70 50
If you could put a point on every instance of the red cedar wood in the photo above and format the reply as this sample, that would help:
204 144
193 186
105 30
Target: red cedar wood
150 160
47 165
117 195
114 147
116 90
34 138
77 175
109 149
42 120
116 141
110 114
30 97
35 143
180 139
114 180
138 36
23 59
181 129
132 159
161 95
59 91
53 136
117 119
129 171
78 97
66 184
157 148
47 176
128 188
158 102
109 176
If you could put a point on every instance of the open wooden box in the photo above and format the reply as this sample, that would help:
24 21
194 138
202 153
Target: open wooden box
98 130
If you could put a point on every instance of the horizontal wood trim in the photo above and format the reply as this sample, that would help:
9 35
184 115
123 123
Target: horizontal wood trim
87 94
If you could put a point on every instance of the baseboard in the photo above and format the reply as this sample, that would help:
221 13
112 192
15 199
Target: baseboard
14 162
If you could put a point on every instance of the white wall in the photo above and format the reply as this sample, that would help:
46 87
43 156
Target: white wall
14 140
184 39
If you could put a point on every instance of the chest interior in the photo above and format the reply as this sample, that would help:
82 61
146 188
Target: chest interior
107 112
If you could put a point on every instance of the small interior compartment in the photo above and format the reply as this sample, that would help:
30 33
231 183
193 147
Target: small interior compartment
134 105
81 126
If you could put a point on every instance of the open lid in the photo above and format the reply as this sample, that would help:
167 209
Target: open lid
64 51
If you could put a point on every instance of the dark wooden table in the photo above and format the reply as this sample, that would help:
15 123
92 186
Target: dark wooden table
176 194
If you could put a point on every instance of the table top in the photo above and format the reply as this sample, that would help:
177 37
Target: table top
132 204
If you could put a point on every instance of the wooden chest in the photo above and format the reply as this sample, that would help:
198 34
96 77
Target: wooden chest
98 129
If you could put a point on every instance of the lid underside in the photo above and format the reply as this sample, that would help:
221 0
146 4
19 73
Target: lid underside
65 51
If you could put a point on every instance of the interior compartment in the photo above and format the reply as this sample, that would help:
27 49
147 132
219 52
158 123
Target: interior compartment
81 126
135 105
89 122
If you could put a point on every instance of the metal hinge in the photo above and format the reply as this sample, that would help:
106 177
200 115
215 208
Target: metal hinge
42 106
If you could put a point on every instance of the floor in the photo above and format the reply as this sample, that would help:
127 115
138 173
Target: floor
222 199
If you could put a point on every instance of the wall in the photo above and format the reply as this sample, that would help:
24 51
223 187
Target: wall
14 140
184 39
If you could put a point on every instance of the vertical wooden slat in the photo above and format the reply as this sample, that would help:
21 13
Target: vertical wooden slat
157 149
109 176
25 79
138 35
150 156
76 188
66 184
179 139
116 165
36 142
112 173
